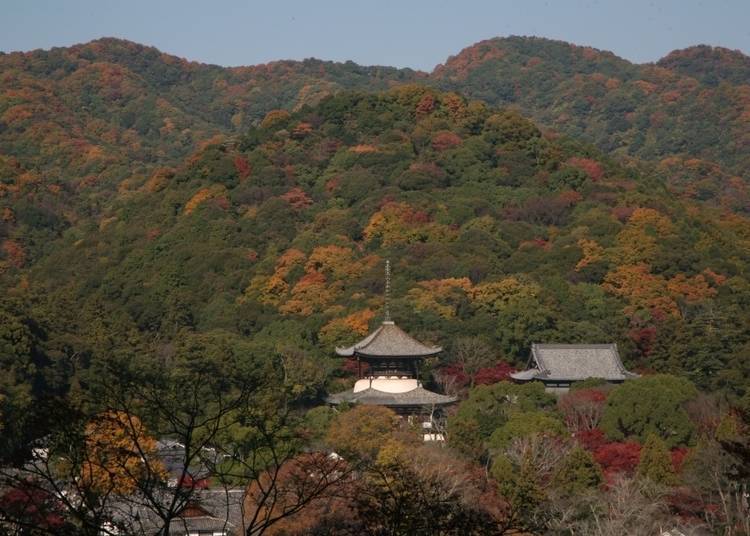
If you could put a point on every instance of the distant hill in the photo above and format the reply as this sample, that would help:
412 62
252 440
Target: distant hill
693 103
110 108
711 65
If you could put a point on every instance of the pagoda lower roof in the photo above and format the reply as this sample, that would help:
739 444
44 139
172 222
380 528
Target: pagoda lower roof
389 341
416 397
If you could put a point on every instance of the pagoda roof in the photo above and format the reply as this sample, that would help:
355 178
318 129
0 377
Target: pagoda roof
573 362
389 341
416 397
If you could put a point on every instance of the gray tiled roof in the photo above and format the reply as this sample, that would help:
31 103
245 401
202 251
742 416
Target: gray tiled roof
222 511
389 341
575 362
416 397
188 525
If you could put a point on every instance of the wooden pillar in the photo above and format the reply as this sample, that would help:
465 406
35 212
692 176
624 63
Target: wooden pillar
359 369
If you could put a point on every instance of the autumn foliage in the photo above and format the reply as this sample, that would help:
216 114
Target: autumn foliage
120 454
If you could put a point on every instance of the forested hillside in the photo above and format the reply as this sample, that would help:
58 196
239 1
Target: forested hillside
694 103
93 115
182 239
494 228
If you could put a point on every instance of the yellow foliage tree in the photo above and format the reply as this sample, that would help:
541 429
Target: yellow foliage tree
399 223
274 117
496 295
362 431
441 296
638 242
592 252
120 454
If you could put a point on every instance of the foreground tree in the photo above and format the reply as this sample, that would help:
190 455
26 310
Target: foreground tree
426 491
226 414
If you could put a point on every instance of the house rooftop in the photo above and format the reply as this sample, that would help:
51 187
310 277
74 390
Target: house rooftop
574 362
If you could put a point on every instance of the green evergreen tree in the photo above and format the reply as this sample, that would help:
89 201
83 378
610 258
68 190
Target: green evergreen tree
656 463
578 472
524 424
650 405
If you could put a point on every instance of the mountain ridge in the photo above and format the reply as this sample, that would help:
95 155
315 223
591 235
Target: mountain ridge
562 85
690 50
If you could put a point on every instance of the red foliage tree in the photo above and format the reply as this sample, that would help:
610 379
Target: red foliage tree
592 168
644 338
678 458
487 376
297 198
618 457
444 140
582 409
242 166
29 506
622 213
592 439
426 104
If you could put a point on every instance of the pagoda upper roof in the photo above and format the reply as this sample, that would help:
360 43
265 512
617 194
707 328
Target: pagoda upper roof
574 362
416 397
389 341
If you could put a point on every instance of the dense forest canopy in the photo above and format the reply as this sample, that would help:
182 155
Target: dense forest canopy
494 228
170 227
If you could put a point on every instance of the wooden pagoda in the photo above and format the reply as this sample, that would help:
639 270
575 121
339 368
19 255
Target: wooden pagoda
388 362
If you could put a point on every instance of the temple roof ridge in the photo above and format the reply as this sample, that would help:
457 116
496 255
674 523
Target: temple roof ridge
573 362
389 340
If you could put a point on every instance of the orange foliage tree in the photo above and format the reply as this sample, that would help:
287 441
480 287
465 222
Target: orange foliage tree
645 291
296 495
120 454
346 329
642 290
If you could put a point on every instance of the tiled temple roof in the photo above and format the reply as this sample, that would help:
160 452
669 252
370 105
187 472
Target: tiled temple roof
415 397
389 341
554 362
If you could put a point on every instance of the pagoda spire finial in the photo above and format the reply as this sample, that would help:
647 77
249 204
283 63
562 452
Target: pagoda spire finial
387 290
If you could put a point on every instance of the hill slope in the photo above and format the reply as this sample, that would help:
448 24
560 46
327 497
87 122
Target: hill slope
494 228
694 102
109 107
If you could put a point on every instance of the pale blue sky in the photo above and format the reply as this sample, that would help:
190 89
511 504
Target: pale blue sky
402 33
